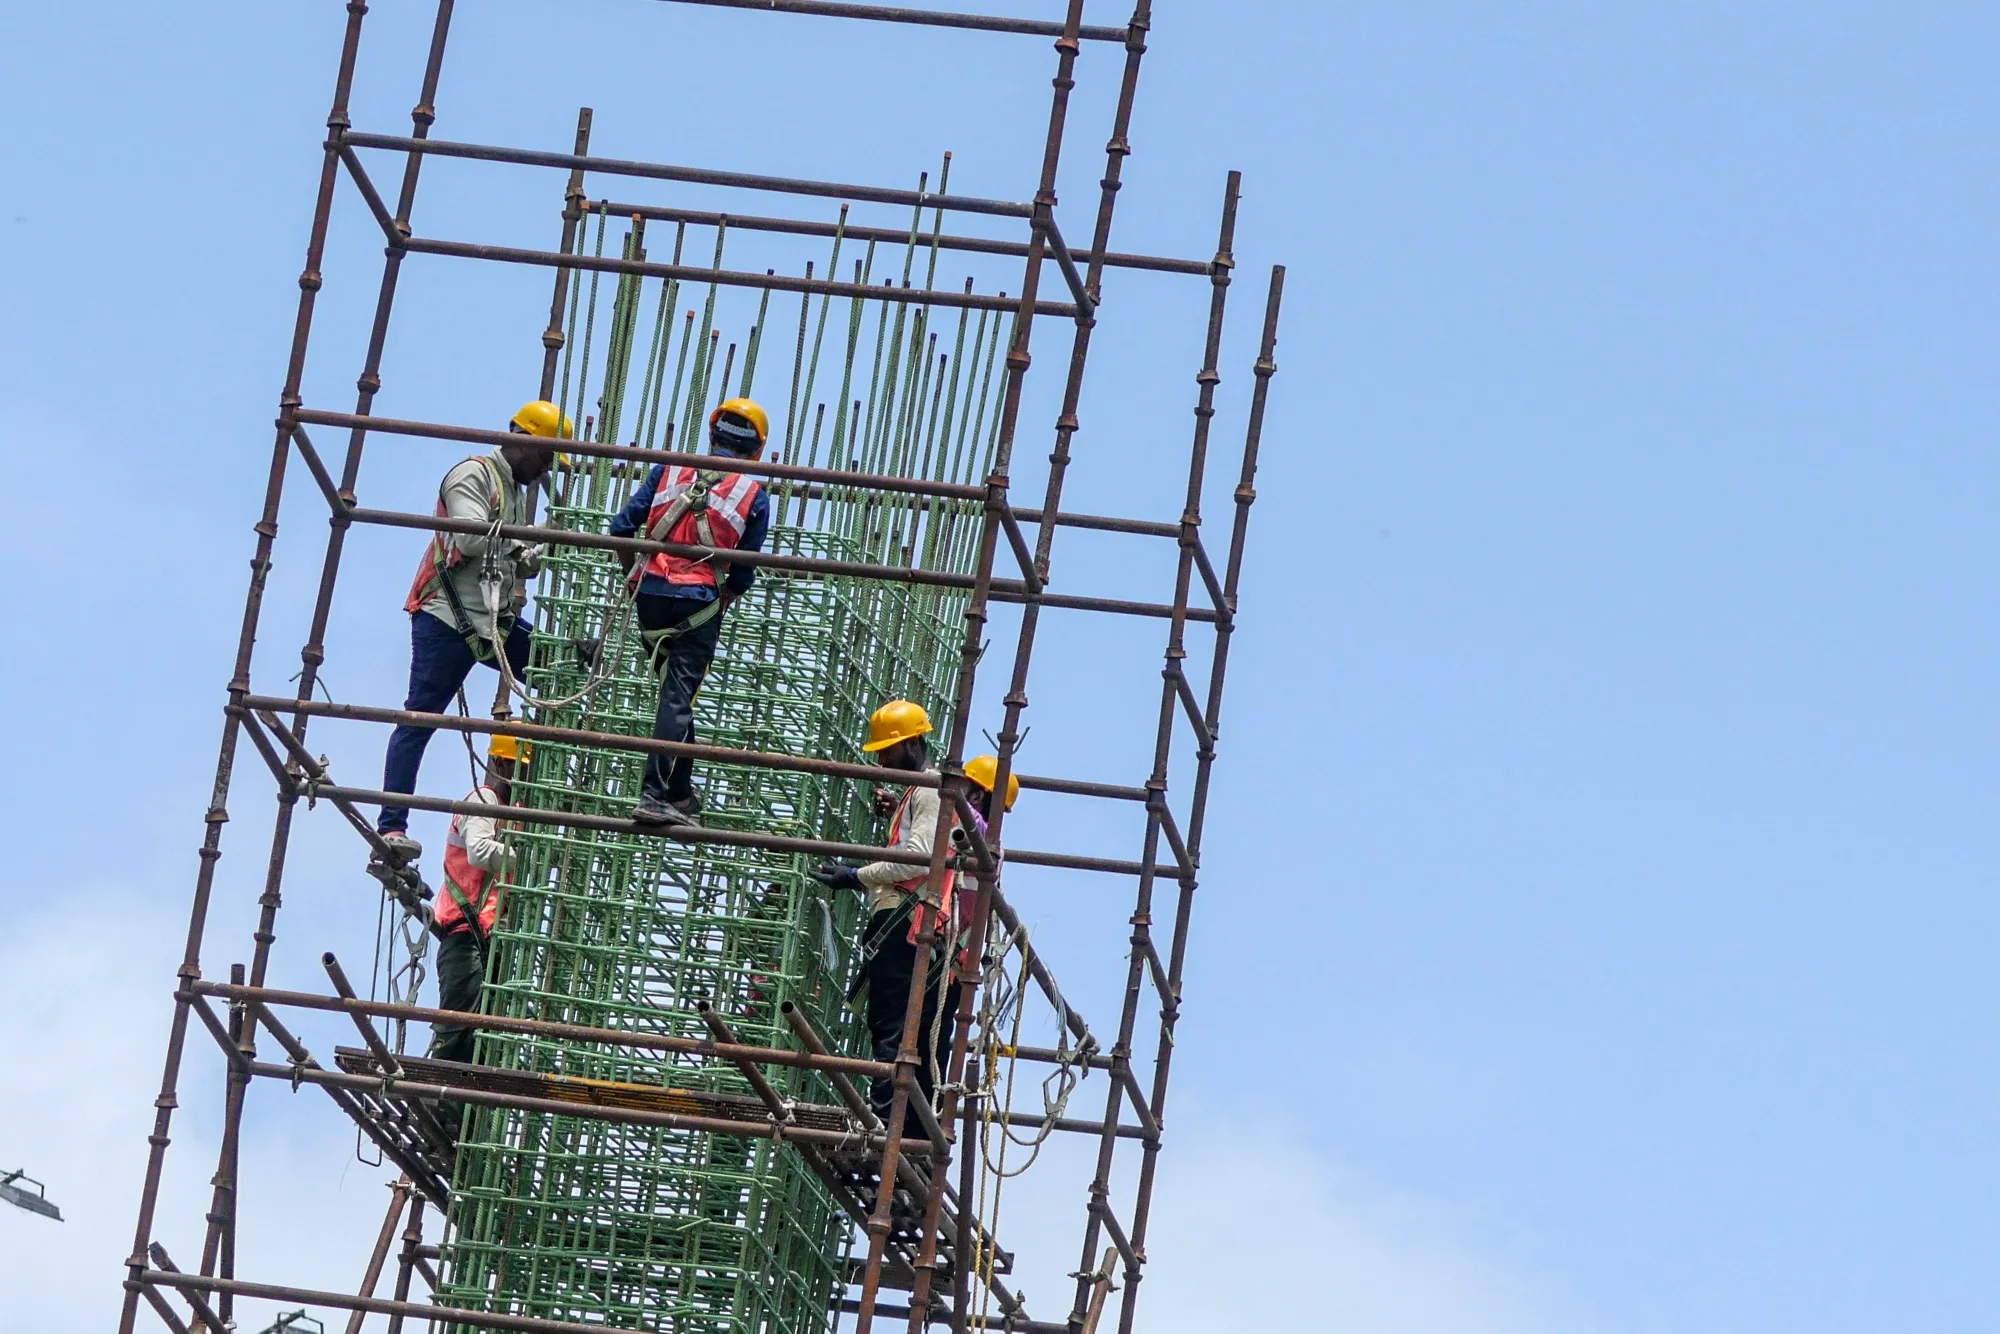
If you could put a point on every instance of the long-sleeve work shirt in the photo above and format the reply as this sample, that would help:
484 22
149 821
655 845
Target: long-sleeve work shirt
467 493
916 828
632 519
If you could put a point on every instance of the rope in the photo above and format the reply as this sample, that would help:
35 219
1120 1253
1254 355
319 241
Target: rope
489 588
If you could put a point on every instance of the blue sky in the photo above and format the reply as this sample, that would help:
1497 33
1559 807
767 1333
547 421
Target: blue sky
1597 912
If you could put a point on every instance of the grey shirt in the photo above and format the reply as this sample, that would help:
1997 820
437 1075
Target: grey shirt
915 830
467 493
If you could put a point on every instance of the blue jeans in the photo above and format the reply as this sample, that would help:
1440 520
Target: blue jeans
440 660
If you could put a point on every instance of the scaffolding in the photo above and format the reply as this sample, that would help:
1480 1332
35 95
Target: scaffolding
662 1129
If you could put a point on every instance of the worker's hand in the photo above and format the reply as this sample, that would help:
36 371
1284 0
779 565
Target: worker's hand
835 875
628 559
885 802
527 556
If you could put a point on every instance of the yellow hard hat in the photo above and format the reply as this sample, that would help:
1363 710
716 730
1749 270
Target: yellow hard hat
898 720
731 433
504 747
545 419
982 769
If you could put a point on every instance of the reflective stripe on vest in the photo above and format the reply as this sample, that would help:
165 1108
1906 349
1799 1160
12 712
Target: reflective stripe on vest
914 885
480 889
725 513
443 554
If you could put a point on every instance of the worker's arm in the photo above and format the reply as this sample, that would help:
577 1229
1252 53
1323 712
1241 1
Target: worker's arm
755 529
466 496
483 847
915 834
632 518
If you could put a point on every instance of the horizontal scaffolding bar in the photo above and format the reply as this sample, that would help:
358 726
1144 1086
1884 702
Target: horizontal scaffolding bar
864 773
1000 590
977 245
387 1086
451 722
733 838
660 171
475 435
928 18
775 282
544 1028
277 1292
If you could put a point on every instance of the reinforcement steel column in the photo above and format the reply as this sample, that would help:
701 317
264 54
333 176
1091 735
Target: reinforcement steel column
239 683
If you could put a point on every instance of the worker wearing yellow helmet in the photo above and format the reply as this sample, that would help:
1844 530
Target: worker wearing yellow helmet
465 601
468 904
681 598
900 904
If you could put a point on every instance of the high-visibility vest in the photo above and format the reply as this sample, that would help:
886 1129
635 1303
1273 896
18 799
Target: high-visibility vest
914 885
479 890
696 508
443 554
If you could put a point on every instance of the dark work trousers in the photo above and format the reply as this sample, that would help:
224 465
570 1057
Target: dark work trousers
686 664
461 971
889 974
440 660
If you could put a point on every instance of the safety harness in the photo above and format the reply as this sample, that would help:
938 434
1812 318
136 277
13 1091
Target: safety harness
445 557
692 500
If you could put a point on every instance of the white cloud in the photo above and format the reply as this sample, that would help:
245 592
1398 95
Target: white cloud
86 985
1251 1230
1255 1232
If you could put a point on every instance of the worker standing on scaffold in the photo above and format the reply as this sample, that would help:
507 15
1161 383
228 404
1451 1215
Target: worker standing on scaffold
897 907
476 865
452 623
681 599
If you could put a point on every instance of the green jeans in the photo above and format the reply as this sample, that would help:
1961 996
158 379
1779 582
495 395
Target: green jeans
461 970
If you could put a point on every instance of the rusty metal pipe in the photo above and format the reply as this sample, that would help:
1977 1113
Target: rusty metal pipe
661 171
978 245
929 18
399 1198
541 1028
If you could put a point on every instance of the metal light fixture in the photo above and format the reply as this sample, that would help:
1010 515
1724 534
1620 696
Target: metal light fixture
14 1189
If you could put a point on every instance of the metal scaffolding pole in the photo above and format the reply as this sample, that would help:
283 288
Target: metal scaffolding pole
661 1127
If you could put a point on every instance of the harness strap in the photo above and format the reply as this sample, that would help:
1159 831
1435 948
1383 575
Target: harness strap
482 647
660 642
470 916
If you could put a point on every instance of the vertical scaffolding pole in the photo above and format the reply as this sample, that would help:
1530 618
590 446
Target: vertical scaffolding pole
314 653
1246 494
337 122
975 621
1156 784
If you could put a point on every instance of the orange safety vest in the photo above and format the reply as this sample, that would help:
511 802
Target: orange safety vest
466 886
442 554
713 509
914 885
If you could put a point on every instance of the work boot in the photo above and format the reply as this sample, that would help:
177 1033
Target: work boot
690 806
658 811
407 849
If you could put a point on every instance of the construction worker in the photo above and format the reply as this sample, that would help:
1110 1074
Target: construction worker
897 906
468 903
464 600
681 599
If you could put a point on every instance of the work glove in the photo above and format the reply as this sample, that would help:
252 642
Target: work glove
885 800
527 556
835 875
